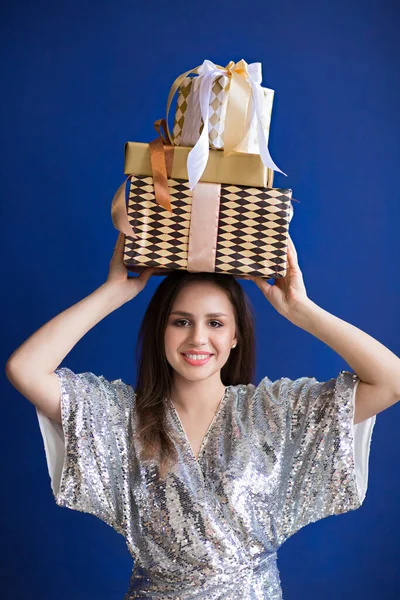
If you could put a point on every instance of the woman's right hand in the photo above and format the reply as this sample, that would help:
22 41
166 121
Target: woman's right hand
118 273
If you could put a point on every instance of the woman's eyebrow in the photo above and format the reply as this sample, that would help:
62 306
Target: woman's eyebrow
187 314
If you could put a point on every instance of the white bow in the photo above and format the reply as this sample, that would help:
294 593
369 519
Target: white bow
198 156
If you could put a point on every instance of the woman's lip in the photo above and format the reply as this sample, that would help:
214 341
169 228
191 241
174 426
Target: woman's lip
197 353
195 361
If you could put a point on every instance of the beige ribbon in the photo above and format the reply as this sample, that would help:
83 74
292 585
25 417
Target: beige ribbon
203 233
238 104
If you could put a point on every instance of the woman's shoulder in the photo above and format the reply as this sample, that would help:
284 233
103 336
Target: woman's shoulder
272 389
92 381
263 384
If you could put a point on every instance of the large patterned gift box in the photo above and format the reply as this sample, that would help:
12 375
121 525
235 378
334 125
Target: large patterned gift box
216 227
222 108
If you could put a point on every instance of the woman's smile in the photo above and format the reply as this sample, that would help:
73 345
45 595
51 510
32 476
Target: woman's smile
196 358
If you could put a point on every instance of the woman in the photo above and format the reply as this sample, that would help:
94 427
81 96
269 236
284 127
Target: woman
204 473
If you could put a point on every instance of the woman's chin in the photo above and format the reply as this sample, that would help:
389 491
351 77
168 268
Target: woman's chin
193 373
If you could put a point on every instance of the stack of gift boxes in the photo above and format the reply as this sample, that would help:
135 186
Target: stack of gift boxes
201 197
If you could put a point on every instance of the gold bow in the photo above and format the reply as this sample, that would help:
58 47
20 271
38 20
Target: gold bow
239 96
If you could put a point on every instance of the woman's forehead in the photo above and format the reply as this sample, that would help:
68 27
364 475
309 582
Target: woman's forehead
203 296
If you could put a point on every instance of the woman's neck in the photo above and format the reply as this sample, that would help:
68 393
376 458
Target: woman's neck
196 397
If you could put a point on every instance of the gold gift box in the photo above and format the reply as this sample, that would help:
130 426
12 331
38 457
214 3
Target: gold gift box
238 168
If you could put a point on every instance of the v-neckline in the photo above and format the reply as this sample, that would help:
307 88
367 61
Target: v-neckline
206 435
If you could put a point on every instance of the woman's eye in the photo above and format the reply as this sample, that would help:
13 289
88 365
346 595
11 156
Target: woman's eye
180 321
183 322
218 323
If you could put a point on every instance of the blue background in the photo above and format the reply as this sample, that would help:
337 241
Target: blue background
79 79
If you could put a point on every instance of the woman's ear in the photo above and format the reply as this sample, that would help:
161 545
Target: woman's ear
235 340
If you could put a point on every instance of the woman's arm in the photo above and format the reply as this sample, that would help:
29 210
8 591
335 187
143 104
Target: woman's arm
31 367
45 349
376 366
372 361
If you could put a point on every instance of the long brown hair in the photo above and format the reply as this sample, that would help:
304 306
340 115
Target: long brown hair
155 374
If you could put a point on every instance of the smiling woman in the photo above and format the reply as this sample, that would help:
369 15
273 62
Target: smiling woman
204 472
207 326
200 339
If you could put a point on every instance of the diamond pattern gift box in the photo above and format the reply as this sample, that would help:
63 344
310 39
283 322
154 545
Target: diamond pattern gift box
219 228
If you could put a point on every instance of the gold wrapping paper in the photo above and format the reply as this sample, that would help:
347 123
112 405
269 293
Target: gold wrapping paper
237 169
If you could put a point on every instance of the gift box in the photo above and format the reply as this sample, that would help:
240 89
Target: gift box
222 107
186 131
222 228
238 168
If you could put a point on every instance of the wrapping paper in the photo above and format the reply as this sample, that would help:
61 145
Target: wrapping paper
219 228
188 122
238 168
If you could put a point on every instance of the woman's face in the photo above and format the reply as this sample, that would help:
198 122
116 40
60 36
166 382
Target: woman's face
200 331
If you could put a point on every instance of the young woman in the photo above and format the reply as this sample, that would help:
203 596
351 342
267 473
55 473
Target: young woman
203 472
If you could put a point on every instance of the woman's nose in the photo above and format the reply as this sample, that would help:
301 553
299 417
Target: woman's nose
198 335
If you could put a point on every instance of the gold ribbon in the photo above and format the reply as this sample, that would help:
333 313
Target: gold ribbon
162 157
239 95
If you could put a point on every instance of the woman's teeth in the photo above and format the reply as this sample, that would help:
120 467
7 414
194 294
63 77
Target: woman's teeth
197 356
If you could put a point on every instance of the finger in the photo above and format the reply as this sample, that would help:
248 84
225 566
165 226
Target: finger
259 281
262 284
147 273
292 255
293 246
119 244
290 251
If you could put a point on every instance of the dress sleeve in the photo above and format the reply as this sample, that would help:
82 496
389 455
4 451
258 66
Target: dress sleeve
324 455
87 456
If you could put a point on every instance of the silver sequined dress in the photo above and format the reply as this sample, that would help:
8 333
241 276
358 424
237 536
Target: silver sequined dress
276 457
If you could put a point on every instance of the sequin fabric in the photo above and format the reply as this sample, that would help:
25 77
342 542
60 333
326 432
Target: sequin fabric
276 457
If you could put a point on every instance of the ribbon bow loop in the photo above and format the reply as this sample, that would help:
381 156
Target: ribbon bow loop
255 72
209 67
240 68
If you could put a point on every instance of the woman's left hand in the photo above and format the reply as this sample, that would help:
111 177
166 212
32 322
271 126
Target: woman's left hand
287 292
